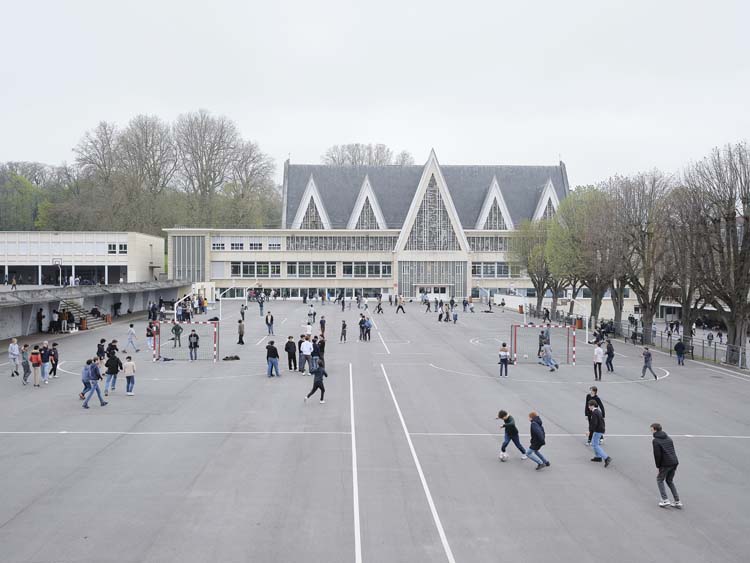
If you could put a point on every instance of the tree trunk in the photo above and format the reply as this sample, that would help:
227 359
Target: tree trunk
539 298
618 301
647 321
554 305
575 289
736 340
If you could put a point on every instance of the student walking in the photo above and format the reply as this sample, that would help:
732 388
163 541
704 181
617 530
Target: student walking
400 305
54 360
114 366
647 360
128 369
322 325
242 311
25 364
14 357
342 338
511 435
598 359
537 441
307 349
596 429
679 349
240 332
319 372
150 336
665 458
291 353
193 345
131 340
94 378
85 379
504 359
592 395
269 323
272 358
36 363
610 356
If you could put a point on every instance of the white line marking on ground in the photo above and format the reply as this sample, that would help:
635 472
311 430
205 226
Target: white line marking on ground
726 372
373 324
355 478
282 322
261 340
435 517
704 364
176 433
496 435
384 344
523 380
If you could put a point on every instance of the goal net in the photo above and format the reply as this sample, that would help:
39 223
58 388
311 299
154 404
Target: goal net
526 342
172 340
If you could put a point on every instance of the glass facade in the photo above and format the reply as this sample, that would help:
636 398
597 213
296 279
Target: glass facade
495 220
312 219
488 243
341 243
432 229
367 219
415 274
189 258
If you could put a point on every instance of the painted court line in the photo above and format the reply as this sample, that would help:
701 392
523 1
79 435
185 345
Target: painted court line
261 340
384 344
174 433
726 372
433 509
355 478
580 435
283 321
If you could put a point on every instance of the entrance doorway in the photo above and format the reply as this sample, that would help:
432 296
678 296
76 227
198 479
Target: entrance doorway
431 292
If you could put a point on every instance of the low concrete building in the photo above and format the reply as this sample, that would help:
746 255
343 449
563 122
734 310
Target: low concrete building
90 257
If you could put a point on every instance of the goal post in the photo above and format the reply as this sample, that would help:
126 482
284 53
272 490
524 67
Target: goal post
171 340
525 342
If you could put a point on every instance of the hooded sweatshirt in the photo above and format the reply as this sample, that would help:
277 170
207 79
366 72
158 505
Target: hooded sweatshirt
537 433
664 452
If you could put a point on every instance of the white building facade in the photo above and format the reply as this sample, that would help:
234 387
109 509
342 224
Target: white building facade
409 230
91 257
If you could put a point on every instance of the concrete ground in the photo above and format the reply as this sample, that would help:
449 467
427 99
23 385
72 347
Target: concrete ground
216 462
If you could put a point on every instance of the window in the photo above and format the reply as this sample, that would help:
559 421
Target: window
330 269
549 211
502 270
337 243
476 269
318 269
236 245
304 269
248 270
432 228
373 269
275 269
385 269
217 246
347 269
236 269
291 269
111 249
488 269
495 218
123 249
312 219
274 245
254 246
261 269
360 269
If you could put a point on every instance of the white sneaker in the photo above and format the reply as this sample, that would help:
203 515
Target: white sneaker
524 456
322 402
305 398
665 504
46 382
129 394
677 504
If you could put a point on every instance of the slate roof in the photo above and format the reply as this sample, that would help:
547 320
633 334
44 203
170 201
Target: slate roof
395 186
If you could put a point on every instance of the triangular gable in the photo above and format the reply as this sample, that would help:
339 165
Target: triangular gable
311 207
547 199
494 207
366 208
433 214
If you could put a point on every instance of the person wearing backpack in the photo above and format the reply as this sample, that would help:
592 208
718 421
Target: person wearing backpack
36 363
94 377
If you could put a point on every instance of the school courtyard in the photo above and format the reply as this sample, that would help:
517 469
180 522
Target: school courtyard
216 462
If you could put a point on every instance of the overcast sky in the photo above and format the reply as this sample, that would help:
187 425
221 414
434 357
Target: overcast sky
609 87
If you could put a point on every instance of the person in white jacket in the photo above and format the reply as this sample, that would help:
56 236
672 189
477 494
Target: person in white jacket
14 357
598 359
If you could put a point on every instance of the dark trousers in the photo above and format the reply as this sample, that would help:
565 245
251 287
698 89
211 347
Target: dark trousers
508 438
400 308
610 367
667 473
343 336
241 339
504 366
292 360
317 385
598 371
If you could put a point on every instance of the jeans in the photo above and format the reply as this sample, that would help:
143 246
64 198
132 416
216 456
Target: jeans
598 451
86 387
270 328
150 341
536 456
550 362
649 368
111 377
26 370
504 366
314 362
130 383
193 353
94 388
343 336
305 361
508 438
273 364
177 342
45 371
131 342
680 359
610 367
668 474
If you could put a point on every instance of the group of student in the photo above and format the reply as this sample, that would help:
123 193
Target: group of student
107 360
42 361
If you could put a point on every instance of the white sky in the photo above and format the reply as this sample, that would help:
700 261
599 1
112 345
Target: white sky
611 87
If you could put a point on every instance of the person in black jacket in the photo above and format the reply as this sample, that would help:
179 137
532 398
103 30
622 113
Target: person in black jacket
665 458
511 434
537 441
291 353
593 395
610 352
596 428
272 358
114 366
679 349
319 372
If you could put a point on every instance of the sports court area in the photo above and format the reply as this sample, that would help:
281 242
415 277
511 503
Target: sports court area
217 462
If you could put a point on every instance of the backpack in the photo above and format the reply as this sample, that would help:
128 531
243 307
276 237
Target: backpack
36 358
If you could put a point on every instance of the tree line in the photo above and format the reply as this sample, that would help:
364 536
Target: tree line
681 237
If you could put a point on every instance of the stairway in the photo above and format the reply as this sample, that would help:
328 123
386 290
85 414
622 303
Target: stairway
79 312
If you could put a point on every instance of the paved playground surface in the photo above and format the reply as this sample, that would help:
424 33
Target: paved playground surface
217 462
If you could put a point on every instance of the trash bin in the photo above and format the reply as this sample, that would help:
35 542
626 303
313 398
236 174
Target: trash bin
520 309
579 323
108 319
84 325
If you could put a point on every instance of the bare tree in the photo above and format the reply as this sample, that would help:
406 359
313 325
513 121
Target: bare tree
250 187
96 152
206 146
146 152
642 221
720 184
360 154
404 158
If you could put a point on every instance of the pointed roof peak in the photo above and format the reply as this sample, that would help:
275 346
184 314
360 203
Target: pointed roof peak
494 194
366 194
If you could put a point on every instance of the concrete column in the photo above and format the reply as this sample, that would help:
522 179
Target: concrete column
106 275
72 274
6 273
40 275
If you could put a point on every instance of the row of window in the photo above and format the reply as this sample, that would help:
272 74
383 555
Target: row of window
311 269
366 269
488 243
256 269
364 243
117 248
490 270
